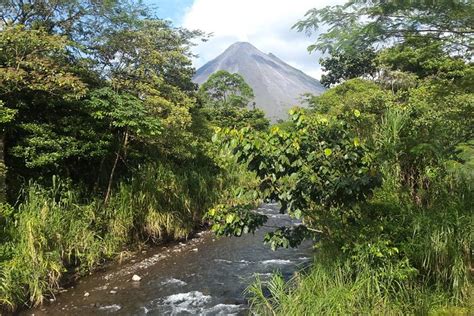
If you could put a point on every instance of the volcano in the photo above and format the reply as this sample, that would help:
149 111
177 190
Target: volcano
277 86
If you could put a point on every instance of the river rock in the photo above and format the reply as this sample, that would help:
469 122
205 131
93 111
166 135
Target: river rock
136 278
86 294
195 249
113 292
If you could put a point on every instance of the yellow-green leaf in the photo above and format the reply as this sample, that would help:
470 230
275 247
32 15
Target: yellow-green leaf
229 218
356 141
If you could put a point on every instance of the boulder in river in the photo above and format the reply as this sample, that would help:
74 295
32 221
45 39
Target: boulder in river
136 278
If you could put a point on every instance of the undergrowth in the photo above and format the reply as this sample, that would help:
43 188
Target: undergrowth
56 230
404 258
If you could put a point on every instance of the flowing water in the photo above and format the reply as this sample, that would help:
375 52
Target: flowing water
206 276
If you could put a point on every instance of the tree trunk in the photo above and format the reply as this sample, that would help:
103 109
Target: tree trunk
112 172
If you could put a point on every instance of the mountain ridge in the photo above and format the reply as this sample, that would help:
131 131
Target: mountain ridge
277 86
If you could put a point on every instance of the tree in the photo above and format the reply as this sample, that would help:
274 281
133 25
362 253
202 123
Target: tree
224 89
129 120
225 98
79 20
6 115
369 24
36 81
318 171
345 65
55 64
33 60
359 30
426 58
365 97
151 60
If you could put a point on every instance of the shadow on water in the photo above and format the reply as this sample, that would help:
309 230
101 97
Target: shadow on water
205 276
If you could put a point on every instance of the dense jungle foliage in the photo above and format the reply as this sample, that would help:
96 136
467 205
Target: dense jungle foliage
106 144
104 140
379 169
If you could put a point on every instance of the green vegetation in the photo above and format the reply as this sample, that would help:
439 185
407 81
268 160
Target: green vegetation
379 169
357 30
107 144
226 97
103 143
55 231
225 89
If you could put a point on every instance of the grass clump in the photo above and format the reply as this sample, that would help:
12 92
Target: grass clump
50 232
331 287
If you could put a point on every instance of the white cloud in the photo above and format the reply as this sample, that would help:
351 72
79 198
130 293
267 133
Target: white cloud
264 23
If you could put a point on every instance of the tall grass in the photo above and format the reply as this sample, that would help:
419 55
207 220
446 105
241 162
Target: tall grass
55 230
400 258
50 232
332 287
442 237
161 203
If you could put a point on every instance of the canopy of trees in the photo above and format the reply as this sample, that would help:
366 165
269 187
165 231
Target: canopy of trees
357 29
79 95
225 89
226 98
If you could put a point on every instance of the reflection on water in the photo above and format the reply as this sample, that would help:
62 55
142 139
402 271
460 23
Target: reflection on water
204 276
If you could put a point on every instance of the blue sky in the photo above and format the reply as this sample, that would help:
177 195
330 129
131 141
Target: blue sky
171 9
267 24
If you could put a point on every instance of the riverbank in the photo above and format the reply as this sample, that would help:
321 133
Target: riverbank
56 232
206 275
402 259
116 273
131 259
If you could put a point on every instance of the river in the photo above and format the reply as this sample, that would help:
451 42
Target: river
206 275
